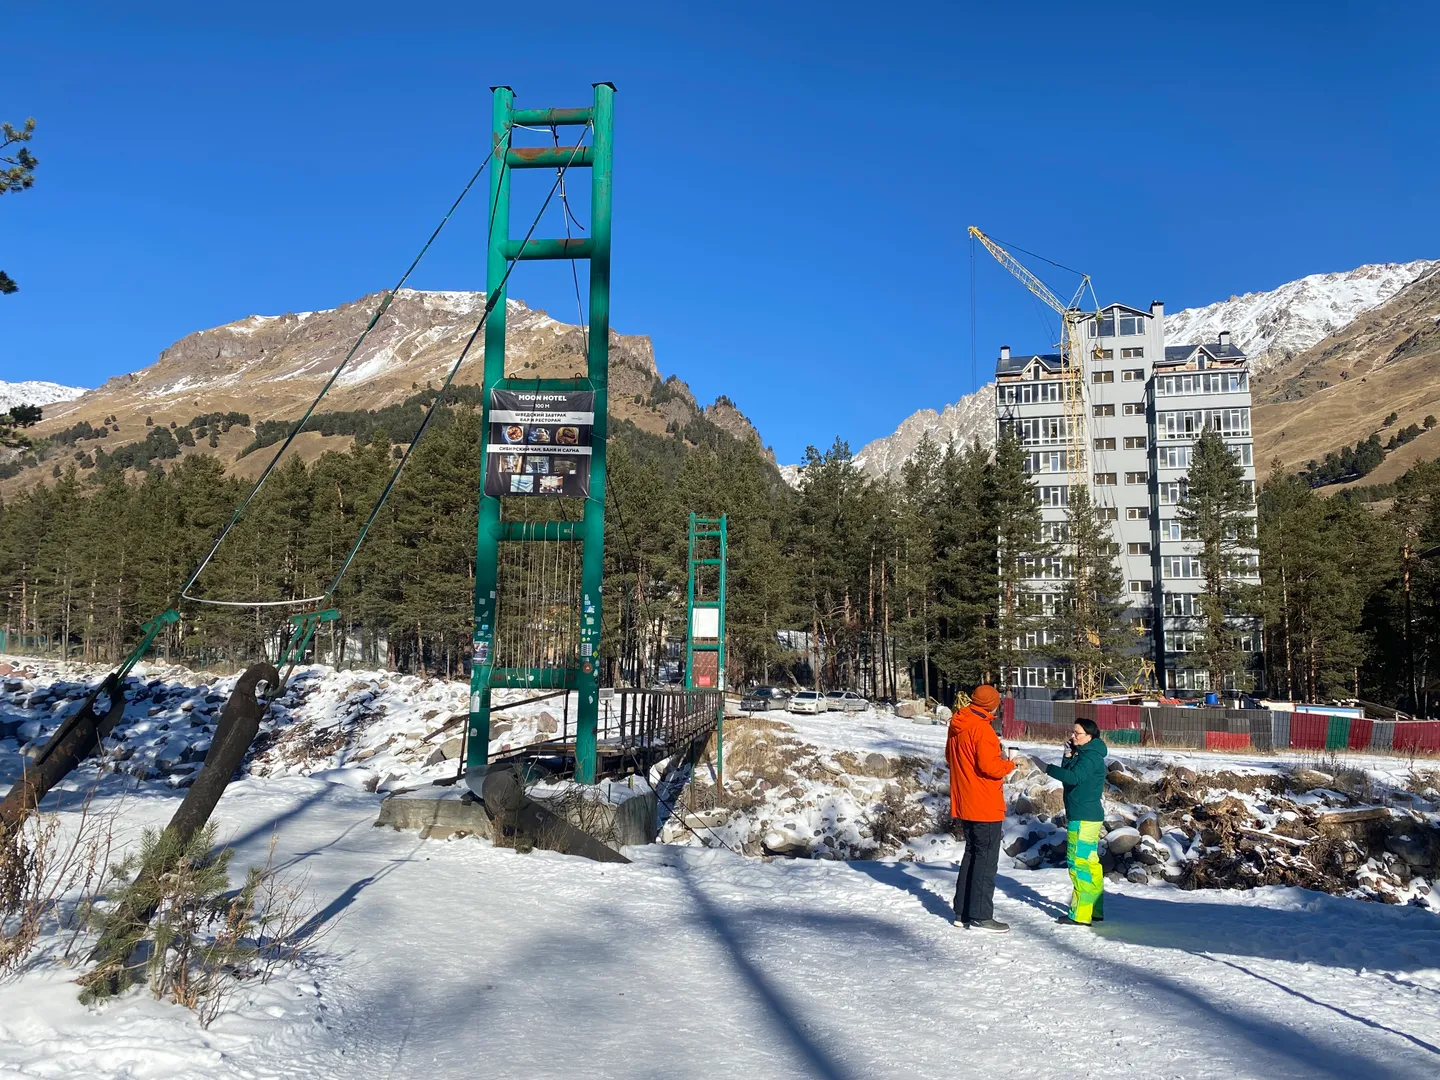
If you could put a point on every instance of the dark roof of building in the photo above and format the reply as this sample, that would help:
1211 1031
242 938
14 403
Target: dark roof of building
1016 363
1178 354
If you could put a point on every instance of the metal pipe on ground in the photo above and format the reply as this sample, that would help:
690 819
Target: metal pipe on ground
77 738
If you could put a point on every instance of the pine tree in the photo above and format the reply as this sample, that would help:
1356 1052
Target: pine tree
1217 509
1089 630
1022 552
17 173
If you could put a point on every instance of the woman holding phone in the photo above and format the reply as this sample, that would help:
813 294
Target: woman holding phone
1082 772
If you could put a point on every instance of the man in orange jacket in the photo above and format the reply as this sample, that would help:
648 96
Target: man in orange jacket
977 767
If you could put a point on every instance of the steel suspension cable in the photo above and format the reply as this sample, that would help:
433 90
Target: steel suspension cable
490 302
290 438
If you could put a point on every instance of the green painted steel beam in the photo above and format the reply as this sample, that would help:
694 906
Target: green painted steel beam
487 548
536 531
550 157
592 559
542 384
552 117
535 250
538 678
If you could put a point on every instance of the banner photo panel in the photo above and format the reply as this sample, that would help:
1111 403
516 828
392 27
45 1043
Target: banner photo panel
539 443
705 624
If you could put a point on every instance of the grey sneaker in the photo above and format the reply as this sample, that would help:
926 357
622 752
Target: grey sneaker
957 921
993 926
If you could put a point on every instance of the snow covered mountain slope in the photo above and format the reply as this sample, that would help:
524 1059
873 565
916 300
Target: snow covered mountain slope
972 417
34 392
1273 325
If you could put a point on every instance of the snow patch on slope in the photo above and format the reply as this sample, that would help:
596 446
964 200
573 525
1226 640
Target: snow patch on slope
1272 325
34 392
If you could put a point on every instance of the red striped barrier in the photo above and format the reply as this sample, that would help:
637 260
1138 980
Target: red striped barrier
1012 729
1361 731
1227 740
1419 735
1308 731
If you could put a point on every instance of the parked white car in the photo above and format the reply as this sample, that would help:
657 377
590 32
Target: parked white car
846 701
807 701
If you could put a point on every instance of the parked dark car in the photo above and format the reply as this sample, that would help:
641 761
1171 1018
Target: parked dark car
762 698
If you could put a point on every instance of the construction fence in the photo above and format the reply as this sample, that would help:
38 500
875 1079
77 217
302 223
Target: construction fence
1217 729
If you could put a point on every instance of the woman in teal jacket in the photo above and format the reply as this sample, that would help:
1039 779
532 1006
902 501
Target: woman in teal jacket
1082 771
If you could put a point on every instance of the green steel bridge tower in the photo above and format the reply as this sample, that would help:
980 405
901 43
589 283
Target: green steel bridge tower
583 675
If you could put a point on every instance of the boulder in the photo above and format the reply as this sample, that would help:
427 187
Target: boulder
1413 847
1021 843
1149 825
1046 798
1123 840
877 765
546 724
908 710
1138 874
449 750
1151 852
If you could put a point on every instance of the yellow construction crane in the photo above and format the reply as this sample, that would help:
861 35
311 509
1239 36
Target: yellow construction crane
1072 354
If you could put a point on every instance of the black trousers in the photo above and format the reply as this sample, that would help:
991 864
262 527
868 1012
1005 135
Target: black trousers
975 891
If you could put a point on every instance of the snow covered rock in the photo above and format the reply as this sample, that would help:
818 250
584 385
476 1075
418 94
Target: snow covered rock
1122 841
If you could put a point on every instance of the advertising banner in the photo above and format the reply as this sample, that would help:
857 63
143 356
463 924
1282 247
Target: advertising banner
539 443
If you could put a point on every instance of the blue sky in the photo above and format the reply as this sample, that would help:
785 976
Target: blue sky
793 181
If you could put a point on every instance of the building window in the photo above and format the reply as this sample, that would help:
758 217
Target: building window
1028 393
1171 493
1175 529
1037 430
1130 325
1136 477
1052 461
1108 513
1173 457
1180 566
1054 496
1133 375
1102 376
1137 513
1189 423
1132 354
1143 624
1102 327
1140 549
1203 382
1135 442
1180 605
1112 548
1104 410
1139 586
1105 479
1134 408
1104 444
1104 354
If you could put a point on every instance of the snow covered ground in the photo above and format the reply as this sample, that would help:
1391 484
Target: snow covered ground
457 959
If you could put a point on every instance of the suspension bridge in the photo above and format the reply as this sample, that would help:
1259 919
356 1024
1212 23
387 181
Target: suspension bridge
540 531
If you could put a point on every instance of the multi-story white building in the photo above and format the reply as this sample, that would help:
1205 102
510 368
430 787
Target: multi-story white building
1144 403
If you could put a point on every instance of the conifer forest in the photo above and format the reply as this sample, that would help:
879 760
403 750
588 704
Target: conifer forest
911 584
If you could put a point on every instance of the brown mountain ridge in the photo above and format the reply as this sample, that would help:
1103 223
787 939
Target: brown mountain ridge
270 367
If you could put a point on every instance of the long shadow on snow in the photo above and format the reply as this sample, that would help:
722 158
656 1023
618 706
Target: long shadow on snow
1321 935
786 1015
1270 1039
900 876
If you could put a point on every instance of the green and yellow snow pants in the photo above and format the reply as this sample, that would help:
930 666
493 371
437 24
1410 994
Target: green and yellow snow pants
1087 879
